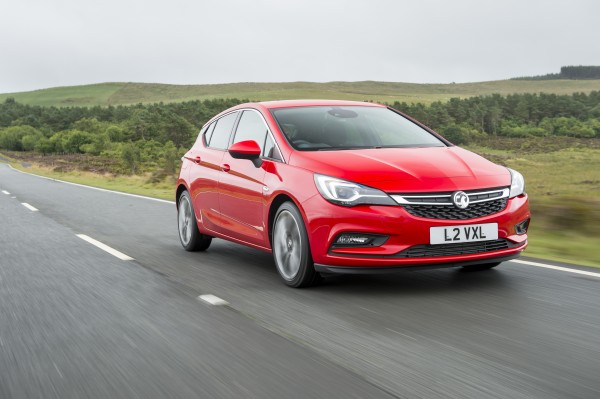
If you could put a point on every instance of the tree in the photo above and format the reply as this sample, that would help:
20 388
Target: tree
74 140
11 137
115 133
170 157
44 146
89 125
29 141
130 155
176 129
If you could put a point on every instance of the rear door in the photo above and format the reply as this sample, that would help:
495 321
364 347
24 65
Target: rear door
206 156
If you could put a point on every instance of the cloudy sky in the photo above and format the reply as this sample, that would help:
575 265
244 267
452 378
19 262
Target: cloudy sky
47 43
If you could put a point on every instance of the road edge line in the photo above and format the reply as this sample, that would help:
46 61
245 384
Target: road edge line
559 268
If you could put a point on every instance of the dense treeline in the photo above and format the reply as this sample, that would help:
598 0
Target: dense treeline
155 135
151 136
568 72
580 72
518 115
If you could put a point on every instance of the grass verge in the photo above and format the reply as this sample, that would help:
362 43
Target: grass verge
138 184
567 246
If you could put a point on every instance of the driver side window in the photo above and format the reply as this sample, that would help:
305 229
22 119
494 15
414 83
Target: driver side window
252 127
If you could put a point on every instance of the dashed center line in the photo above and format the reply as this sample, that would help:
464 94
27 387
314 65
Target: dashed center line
213 300
105 247
31 208
5 192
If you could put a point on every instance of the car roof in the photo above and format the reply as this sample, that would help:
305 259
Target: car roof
312 103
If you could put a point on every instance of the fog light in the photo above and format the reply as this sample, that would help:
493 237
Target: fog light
521 228
359 240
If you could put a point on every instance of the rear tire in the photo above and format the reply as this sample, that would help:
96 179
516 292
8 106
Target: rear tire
480 267
189 235
291 249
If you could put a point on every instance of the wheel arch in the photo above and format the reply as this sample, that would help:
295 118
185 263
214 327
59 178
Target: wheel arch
180 189
275 204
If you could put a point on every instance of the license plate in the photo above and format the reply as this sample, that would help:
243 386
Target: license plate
465 233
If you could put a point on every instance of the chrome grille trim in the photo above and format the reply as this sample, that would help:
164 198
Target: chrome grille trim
439 205
445 198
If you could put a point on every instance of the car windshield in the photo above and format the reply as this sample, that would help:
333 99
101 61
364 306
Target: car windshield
322 128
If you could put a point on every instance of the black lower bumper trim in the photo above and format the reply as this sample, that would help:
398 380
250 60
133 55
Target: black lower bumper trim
397 269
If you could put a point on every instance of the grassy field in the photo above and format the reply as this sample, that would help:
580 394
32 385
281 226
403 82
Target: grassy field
563 185
132 93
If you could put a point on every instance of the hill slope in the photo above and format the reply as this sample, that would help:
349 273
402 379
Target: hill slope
132 93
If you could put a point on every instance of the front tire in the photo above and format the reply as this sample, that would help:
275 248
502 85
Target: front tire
291 249
190 237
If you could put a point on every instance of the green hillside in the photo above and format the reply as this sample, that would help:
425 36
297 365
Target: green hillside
133 93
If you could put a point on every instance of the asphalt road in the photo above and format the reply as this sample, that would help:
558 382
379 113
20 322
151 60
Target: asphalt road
76 321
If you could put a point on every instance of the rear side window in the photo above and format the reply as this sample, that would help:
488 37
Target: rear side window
208 132
219 137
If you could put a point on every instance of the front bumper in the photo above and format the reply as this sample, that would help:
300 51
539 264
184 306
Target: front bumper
405 233
397 269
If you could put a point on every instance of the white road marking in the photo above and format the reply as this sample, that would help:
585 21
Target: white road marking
96 188
31 208
5 192
213 300
105 247
560 268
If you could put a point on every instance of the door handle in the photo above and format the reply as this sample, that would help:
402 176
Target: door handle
225 167
195 159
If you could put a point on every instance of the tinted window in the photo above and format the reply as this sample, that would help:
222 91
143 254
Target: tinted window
208 133
270 150
222 131
251 127
352 127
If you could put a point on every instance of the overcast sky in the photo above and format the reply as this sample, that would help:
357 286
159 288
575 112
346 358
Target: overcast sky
47 43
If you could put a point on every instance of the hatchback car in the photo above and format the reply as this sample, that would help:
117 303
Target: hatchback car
346 187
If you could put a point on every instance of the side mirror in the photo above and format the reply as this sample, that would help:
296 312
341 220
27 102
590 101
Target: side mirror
248 149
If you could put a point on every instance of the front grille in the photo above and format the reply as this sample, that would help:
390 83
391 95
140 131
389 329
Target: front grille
450 212
468 248
440 205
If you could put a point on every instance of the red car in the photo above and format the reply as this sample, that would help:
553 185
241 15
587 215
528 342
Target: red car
346 187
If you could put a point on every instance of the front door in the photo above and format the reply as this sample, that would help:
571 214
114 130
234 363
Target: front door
241 186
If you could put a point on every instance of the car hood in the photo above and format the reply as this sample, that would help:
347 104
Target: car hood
407 169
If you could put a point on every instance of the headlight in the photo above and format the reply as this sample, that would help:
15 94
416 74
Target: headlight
346 193
517 185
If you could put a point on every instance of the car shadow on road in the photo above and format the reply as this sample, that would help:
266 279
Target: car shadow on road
257 267
416 282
